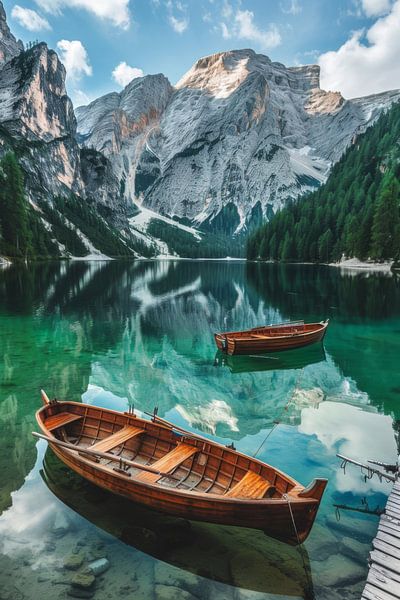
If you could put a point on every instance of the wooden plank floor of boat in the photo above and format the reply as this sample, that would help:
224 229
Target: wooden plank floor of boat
250 486
116 439
169 461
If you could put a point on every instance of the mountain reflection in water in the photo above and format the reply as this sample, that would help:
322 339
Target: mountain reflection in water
140 334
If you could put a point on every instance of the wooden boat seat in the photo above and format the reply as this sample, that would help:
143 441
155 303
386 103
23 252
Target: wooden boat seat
60 420
168 462
117 438
251 486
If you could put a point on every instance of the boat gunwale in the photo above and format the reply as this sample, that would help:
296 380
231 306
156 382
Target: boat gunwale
188 494
236 335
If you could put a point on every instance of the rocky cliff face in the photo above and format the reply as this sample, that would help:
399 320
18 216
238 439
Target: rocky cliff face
234 140
37 121
9 46
226 146
37 116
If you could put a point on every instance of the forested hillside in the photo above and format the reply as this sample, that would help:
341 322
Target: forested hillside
67 227
355 213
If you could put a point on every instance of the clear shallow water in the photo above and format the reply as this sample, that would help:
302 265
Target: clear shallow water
140 333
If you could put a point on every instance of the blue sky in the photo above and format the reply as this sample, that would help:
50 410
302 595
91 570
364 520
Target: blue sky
355 41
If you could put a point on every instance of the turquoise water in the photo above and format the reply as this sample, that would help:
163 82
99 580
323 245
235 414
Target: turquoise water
140 334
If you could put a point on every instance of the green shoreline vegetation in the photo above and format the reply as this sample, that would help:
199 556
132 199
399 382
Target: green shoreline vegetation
356 213
54 230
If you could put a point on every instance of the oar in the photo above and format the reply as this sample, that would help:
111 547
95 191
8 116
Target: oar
97 454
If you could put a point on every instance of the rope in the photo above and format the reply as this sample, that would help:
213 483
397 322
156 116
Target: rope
310 592
276 423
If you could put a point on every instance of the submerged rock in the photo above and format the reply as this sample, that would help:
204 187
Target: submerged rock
322 543
73 562
355 550
352 528
339 571
83 579
250 568
169 576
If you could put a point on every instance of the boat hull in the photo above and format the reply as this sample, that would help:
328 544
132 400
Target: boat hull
248 343
274 519
273 515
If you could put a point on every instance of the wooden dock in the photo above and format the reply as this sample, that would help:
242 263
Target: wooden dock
383 582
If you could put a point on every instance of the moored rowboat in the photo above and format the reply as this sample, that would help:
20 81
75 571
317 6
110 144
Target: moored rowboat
271 338
169 469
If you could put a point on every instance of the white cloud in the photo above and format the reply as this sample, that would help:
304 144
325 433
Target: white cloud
227 10
75 59
375 8
29 19
368 62
178 25
243 27
116 11
123 74
177 15
292 7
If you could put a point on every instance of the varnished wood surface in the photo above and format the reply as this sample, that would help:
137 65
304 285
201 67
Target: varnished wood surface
199 479
116 439
60 420
250 486
383 582
270 338
170 461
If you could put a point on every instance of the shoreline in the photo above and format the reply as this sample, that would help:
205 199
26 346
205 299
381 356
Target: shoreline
349 264
359 265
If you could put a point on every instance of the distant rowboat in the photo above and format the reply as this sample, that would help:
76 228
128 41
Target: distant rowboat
175 471
271 338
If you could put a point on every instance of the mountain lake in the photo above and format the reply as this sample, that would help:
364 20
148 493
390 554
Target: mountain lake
120 334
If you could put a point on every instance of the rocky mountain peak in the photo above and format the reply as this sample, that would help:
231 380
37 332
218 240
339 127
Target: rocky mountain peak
219 74
9 45
34 103
309 75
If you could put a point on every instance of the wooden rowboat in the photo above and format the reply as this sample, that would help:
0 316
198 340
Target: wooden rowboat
177 472
271 338
204 549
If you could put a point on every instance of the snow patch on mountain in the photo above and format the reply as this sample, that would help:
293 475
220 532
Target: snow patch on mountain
144 217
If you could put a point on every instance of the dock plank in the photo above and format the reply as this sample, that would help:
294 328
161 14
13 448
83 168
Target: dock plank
386 584
372 593
385 561
391 520
394 499
386 548
383 581
394 512
389 529
388 538
382 572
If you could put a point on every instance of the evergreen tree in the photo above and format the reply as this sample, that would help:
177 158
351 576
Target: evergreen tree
356 212
16 237
386 224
